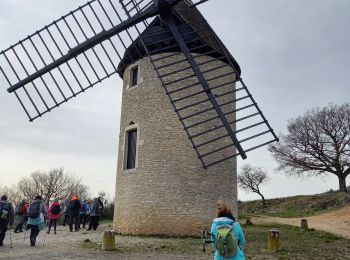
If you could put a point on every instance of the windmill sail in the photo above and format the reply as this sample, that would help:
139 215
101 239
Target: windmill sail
68 56
132 7
201 78
206 97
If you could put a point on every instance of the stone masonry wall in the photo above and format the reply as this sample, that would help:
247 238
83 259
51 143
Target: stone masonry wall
169 192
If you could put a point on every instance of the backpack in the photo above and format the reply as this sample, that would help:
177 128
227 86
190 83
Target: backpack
5 208
35 209
19 209
98 208
56 209
226 242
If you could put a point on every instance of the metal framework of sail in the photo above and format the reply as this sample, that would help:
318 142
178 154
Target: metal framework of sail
79 50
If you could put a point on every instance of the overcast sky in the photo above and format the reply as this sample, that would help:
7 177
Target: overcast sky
294 55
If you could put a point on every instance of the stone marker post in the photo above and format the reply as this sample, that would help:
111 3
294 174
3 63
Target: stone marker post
108 241
273 241
303 224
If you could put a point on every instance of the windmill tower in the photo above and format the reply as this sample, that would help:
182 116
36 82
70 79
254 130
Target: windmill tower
186 112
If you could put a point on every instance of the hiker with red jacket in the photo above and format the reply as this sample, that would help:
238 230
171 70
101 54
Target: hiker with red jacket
54 215
74 209
22 212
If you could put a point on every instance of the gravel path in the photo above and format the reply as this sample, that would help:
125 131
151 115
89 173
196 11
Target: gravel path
67 245
336 222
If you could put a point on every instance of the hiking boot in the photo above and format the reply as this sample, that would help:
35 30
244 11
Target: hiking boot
55 232
32 242
1 244
48 232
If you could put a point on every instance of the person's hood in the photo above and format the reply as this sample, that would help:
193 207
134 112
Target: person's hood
223 221
55 203
75 197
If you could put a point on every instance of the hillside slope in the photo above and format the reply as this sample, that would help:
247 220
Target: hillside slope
336 222
296 206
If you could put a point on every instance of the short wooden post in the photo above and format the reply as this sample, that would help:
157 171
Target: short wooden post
248 222
273 241
108 241
303 224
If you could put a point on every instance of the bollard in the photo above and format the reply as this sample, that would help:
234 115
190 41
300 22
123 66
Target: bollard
108 241
303 224
248 222
273 241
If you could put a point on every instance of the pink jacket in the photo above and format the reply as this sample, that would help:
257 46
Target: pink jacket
51 215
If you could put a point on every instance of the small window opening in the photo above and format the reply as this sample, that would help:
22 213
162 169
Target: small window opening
134 76
131 149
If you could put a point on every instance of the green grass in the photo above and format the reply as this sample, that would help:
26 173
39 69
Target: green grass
295 244
89 245
292 212
106 221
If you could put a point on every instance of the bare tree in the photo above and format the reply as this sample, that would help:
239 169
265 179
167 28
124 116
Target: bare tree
75 186
53 184
317 143
251 178
13 193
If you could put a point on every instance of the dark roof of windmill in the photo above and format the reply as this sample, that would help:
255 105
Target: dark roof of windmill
161 38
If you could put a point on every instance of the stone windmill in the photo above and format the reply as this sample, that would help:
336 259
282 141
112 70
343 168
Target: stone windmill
186 112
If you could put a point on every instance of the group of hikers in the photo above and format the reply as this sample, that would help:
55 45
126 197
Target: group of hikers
226 233
37 215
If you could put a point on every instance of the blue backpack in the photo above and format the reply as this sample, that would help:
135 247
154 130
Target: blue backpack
5 208
35 209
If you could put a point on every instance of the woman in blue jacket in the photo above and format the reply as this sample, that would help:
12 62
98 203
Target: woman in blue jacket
36 223
225 217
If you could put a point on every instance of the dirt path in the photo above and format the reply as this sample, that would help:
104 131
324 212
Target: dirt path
67 245
335 222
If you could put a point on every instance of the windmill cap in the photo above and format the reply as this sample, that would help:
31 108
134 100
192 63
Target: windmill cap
157 33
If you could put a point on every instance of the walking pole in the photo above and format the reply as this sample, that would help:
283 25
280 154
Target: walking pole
25 234
11 228
44 234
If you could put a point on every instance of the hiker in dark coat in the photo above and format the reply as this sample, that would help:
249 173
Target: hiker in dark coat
7 217
74 208
37 214
66 213
96 211
22 212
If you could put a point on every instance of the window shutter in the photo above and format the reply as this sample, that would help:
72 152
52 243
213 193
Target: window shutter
131 155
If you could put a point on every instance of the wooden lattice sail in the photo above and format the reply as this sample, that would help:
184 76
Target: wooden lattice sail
193 97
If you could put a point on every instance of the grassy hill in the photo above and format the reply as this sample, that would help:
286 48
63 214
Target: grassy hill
296 206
